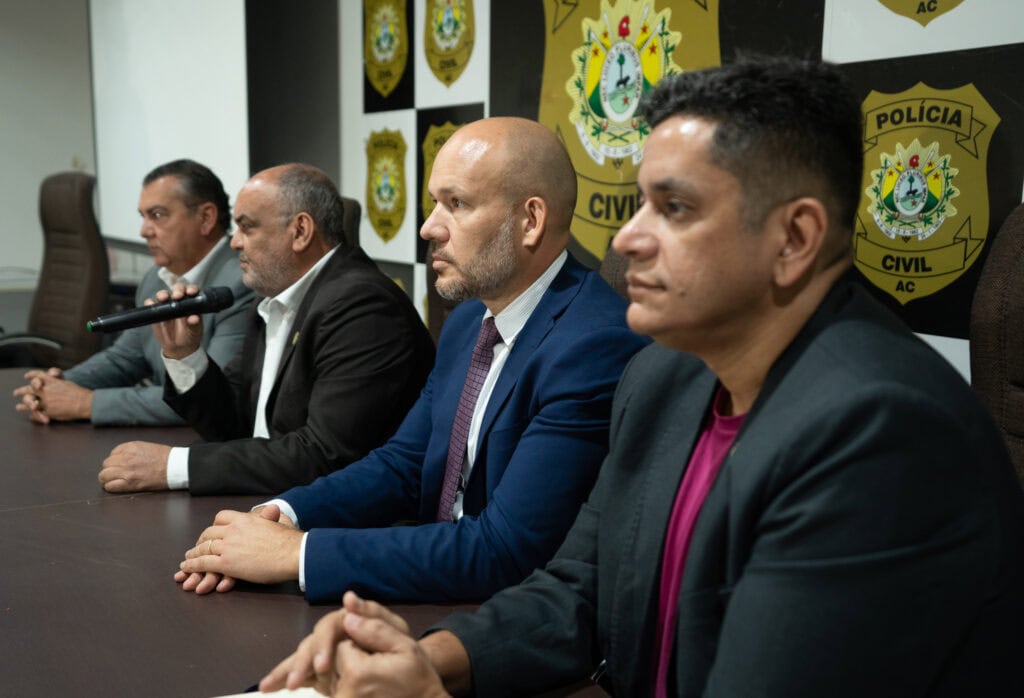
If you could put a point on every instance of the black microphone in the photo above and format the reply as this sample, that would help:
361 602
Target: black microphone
209 301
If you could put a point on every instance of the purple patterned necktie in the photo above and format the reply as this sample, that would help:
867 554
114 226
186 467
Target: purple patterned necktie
479 365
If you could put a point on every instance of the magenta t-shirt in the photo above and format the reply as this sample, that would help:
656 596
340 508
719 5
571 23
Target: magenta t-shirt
711 449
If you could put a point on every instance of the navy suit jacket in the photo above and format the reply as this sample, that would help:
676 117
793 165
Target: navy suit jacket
543 437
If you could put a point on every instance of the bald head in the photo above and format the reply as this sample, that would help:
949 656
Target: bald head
504 192
524 159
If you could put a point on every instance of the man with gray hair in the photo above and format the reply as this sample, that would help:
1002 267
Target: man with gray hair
334 356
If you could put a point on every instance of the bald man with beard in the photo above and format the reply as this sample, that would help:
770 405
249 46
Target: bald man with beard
503 445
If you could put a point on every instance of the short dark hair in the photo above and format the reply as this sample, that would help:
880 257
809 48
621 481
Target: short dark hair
785 127
199 185
304 188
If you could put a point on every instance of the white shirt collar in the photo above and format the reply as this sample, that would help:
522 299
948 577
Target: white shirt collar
197 274
511 320
291 298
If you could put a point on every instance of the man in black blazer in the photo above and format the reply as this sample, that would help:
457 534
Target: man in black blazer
800 499
334 356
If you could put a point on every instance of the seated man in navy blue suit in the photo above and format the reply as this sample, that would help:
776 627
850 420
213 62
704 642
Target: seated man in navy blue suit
504 443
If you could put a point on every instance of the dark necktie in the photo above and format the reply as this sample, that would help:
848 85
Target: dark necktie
479 365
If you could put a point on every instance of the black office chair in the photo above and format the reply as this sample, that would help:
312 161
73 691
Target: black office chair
74 280
997 335
613 270
350 222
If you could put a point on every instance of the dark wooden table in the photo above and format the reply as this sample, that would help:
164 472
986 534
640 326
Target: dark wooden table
88 605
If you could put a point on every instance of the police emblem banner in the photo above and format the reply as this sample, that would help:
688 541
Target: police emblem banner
448 37
385 43
600 58
386 190
924 214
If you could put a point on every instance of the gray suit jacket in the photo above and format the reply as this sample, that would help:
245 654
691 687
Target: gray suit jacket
115 373
864 536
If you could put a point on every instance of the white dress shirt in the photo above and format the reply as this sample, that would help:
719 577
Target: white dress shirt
278 314
510 322
196 276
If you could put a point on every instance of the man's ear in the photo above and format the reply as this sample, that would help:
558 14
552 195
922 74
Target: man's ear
207 212
303 230
534 221
804 227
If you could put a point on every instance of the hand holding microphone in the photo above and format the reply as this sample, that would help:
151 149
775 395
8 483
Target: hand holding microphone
175 316
183 335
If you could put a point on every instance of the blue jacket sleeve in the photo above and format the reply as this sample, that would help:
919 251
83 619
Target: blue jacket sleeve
538 473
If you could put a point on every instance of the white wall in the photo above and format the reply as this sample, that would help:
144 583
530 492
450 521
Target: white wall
867 31
169 82
45 119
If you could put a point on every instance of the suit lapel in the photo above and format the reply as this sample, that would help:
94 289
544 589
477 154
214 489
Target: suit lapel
564 287
258 330
672 434
223 271
295 333
463 338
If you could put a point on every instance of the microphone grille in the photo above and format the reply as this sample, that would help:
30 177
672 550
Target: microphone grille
219 297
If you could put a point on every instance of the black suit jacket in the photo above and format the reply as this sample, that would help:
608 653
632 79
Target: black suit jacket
862 538
358 357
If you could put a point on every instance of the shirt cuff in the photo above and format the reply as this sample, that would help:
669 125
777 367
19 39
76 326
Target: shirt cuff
177 469
285 508
185 373
302 563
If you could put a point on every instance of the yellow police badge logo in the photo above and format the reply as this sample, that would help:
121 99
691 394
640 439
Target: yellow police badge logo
911 193
385 182
385 43
921 11
924 215
624 52
448 37
436 137
601 57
